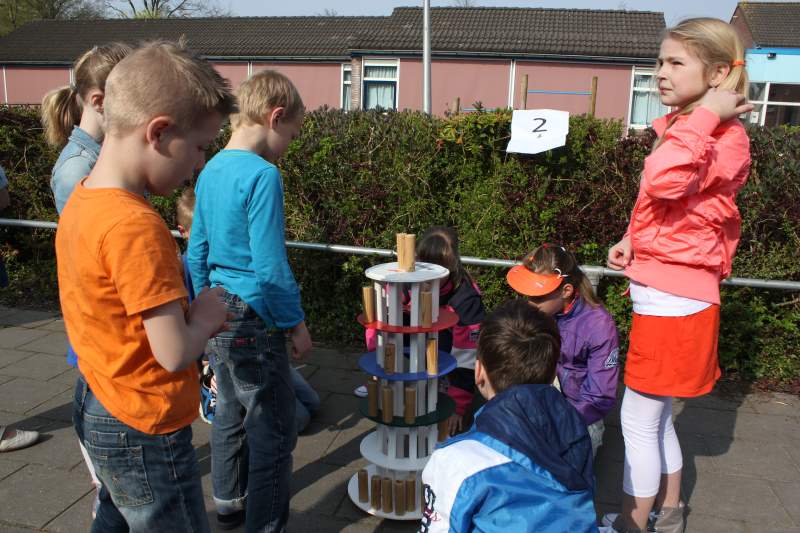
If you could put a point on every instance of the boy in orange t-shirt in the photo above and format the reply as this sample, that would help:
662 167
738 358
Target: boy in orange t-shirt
123 297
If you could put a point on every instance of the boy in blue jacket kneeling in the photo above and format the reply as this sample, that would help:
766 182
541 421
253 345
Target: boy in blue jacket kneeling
526 463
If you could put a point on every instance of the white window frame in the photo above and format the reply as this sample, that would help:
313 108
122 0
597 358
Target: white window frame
762 104
641 71
346 67
381 63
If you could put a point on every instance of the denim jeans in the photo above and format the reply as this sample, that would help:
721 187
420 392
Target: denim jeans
253 433
307 400
149 482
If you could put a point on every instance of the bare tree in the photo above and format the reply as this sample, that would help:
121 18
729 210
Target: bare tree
66 9
15 13
146 9
328 12
464 3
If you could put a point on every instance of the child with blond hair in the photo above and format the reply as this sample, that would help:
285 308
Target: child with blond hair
122 294
72 117
238 244
679 246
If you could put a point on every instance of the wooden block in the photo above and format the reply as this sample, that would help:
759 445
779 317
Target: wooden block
411 497
409 405
368 299
363 485
387 406
432 355
401 250
375 494
443 433
389 357
399 497
426 309
410 243
372 398
386 494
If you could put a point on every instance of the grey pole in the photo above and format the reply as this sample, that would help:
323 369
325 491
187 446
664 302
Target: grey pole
426 56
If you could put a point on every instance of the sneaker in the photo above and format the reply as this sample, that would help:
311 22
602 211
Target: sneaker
230 521
361 391
670 520
609 523
208 399
21 439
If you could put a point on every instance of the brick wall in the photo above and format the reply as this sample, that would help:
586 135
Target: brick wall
355 83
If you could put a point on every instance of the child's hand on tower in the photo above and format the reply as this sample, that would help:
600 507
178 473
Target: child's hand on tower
620 255
301 341
725 103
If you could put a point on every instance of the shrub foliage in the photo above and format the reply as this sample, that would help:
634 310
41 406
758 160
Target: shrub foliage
358 178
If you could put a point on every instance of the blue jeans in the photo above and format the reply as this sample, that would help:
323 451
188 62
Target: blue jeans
149 482
307 400
253 433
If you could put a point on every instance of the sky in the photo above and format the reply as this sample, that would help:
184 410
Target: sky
674 10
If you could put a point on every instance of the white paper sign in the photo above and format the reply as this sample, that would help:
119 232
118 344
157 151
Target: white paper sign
538 130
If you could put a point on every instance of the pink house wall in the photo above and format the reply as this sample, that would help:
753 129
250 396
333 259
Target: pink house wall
470 80
235 73
613 87
28 85
319 83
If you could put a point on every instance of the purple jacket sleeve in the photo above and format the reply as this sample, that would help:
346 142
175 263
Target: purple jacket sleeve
598 394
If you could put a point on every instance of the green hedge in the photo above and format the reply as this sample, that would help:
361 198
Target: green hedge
358 178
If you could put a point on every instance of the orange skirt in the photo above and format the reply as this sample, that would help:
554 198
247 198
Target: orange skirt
674 356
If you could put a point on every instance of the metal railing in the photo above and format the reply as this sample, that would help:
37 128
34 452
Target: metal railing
594 273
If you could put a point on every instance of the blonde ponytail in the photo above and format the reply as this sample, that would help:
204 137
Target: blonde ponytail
62 108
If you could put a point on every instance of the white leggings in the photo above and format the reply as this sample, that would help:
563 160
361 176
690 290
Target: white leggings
651 445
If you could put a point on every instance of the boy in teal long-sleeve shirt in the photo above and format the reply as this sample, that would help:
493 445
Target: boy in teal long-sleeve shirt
238 243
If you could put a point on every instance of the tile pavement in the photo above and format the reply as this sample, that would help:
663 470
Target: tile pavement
741 458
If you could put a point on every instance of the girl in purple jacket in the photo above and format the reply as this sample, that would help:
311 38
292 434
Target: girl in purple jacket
588 369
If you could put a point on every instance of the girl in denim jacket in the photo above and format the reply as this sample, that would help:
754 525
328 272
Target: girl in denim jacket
73 118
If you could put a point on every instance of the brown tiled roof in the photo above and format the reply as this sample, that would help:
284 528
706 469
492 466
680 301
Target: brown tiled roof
773 23
534 31
64 40
517 31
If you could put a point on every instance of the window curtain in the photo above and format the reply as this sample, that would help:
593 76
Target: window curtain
646 107
382 72
379 94
347 94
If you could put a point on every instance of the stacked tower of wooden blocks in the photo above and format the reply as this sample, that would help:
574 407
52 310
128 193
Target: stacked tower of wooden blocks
403 399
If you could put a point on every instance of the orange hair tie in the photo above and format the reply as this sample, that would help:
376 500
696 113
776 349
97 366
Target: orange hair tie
738 63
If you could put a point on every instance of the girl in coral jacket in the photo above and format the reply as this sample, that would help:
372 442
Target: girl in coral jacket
588 368
680 243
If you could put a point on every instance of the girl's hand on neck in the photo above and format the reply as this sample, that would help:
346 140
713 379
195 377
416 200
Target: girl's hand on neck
725 103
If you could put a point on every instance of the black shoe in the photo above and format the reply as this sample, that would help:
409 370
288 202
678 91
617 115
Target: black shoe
230 521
